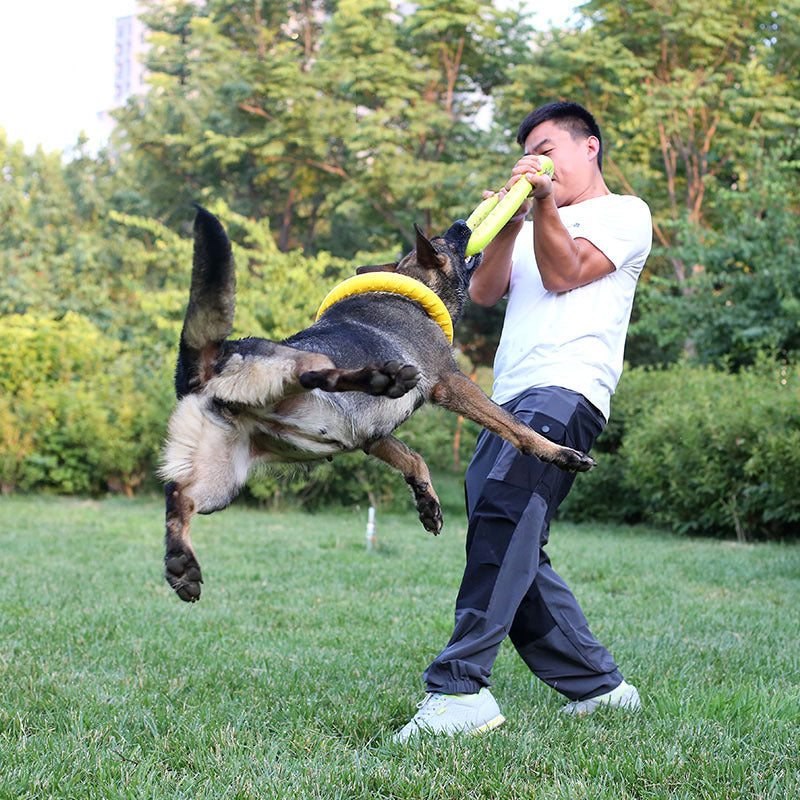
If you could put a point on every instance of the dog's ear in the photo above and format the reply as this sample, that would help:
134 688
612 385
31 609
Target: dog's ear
391 267
426 255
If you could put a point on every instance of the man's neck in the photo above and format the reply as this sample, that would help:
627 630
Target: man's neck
597 188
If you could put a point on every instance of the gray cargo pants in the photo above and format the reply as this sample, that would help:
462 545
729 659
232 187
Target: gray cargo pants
509 587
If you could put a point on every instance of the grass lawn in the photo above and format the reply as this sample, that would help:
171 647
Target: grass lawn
305 653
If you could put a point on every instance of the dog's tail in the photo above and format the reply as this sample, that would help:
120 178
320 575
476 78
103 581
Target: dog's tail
209 316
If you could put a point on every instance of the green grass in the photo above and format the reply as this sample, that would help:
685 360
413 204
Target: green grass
305 654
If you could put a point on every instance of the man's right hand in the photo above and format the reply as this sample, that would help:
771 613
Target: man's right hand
527 167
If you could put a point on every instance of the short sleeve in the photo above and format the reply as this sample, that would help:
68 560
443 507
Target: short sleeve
622 231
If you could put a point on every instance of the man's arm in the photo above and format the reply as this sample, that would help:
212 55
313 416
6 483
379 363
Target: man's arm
490 280
564 263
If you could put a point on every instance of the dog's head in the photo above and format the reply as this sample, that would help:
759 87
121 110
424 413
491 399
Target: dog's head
440 264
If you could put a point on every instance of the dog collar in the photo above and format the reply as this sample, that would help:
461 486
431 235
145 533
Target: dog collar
397 284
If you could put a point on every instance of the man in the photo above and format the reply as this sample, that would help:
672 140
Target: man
570 277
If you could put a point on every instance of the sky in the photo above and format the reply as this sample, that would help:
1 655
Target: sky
56 68
57 65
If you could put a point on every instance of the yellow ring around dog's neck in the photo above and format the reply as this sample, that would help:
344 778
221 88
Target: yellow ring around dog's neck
397 284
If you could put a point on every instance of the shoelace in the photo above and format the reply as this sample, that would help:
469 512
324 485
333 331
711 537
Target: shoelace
428 706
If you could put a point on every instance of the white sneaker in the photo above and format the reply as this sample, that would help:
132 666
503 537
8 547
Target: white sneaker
449 714
624 696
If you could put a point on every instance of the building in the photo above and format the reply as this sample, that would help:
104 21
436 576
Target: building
130 46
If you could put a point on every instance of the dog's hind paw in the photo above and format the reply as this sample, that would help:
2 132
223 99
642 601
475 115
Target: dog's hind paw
391 379
183 574
430 512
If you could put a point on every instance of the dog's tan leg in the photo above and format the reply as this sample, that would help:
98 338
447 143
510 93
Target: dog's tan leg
399 455
180 565
458 393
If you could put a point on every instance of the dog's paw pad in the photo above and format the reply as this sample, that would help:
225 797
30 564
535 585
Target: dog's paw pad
184 576
324 379
378 383
400 379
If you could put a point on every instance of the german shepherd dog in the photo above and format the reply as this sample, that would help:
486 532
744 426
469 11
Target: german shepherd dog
344 383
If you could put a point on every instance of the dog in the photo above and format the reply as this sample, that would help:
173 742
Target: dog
342 384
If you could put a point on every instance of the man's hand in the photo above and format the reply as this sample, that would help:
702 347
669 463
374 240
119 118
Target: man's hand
490 280
527 167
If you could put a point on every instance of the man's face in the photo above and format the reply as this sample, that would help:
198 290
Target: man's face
575 160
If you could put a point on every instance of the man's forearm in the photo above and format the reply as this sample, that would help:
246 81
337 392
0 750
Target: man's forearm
490 280
556 252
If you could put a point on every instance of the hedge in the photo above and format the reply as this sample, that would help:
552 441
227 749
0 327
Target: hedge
79 414
700 451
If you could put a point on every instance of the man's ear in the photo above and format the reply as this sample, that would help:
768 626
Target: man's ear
391 267
426 255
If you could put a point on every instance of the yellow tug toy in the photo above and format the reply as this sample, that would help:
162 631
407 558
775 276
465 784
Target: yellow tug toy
487 219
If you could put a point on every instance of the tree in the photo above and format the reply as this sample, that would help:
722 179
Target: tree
343 124
742 296
685 91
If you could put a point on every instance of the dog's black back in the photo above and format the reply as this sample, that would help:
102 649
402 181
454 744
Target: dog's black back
361 329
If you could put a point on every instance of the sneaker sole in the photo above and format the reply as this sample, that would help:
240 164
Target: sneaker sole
489 726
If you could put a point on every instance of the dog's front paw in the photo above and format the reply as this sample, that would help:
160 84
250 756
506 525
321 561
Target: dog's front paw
574 460
430 514
183 574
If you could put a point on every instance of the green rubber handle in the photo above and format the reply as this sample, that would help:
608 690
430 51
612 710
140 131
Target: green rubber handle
490 216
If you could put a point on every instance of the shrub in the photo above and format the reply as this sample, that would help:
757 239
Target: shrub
717 452
700 451
79 413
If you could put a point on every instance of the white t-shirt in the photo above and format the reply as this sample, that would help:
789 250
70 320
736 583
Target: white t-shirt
574 339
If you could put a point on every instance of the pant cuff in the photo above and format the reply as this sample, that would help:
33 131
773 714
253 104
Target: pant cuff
457 686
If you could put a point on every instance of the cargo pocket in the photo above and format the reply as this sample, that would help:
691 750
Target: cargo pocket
549 427
527 472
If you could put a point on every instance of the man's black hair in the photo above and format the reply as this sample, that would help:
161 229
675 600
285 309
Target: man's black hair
571 116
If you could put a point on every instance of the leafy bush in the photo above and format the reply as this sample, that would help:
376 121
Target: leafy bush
717 453
700 451
79 413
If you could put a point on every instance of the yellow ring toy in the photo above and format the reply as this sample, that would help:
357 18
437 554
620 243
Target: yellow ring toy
489 217
397 284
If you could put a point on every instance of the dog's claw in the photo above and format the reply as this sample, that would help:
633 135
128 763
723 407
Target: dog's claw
183 574
573 460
